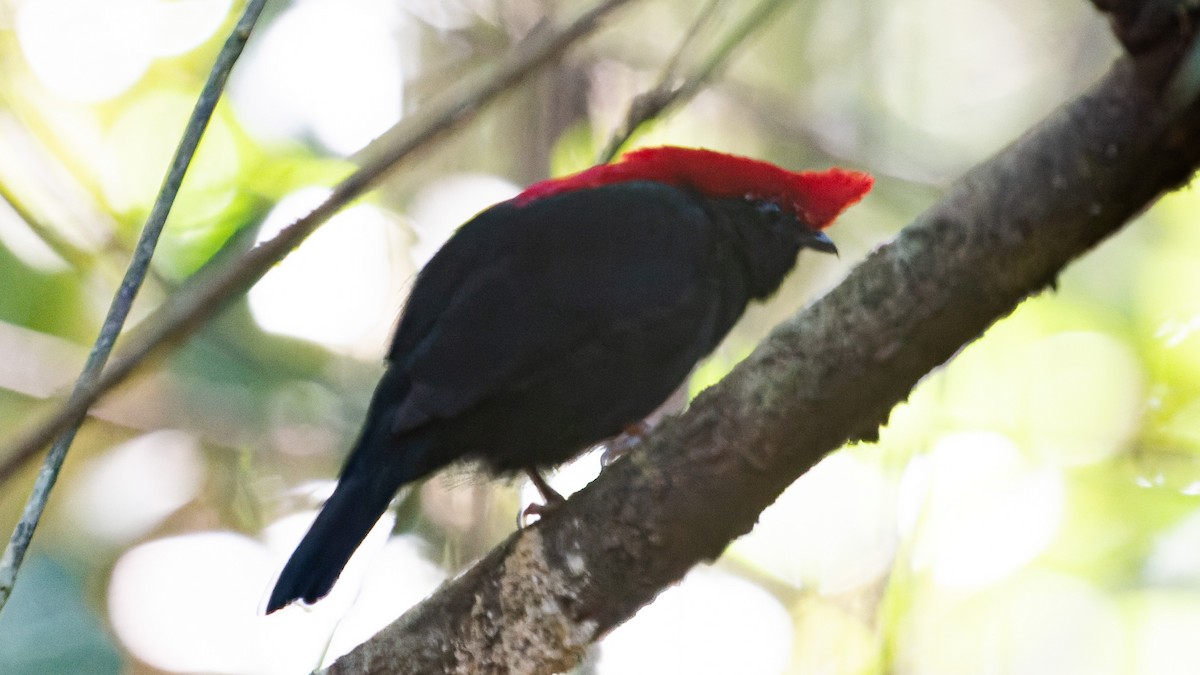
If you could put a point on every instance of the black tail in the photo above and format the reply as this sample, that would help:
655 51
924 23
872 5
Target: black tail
355 507
378 466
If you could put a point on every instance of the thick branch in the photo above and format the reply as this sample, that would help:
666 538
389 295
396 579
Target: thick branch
829 375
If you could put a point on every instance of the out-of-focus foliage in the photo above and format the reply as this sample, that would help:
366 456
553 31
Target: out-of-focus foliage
1032 508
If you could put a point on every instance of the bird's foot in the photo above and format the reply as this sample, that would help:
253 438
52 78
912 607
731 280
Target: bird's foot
550 500
620 445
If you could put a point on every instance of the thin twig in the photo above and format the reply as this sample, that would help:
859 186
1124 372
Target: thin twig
667 95
706 14
198 300
118 311
72 254
111 256
666 79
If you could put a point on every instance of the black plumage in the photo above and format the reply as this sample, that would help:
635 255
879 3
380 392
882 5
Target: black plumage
542 328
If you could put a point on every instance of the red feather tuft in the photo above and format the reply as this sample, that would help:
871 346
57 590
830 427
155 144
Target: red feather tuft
816 196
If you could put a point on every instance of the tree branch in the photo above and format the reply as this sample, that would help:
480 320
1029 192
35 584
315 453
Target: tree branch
829 375
122 302
192 304
668 93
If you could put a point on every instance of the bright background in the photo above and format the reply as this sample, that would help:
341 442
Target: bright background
1032 509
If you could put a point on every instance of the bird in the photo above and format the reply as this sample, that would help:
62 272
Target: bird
559 318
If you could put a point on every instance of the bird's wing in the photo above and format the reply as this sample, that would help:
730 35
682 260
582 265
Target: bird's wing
521 287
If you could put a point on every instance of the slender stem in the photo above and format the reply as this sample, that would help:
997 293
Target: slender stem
199 299
72 254
636 115
666 95
118 312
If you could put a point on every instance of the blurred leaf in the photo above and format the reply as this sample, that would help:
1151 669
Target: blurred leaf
47 628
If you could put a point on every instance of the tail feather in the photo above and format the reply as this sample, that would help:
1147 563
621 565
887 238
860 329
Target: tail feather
343 523
381 462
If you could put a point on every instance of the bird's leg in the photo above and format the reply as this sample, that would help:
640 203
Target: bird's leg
550 498
549 494
621 444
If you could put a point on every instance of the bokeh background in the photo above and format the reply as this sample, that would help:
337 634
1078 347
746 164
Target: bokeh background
1032 509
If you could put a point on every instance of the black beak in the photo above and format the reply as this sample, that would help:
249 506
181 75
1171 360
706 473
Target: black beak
818 241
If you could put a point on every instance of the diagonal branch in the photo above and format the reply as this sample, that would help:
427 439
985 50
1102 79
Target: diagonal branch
60 245
641 109
188 308
668 93
122 303
828 376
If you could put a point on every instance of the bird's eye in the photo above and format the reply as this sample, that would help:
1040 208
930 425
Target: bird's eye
768 209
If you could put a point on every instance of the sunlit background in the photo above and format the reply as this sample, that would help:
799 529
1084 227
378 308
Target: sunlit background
1034 507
